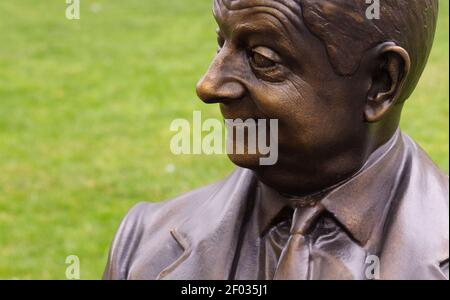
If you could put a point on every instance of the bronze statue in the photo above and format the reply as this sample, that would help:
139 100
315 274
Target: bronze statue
351 196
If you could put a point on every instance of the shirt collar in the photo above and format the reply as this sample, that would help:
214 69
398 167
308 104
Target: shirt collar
271 207
358 203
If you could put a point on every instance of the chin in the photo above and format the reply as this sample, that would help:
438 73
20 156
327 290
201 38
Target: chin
279 178
248 161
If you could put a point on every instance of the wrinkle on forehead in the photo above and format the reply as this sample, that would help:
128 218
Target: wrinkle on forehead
284 10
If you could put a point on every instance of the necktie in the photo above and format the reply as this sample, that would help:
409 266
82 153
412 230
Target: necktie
293 263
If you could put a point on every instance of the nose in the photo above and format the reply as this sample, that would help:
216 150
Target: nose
219 85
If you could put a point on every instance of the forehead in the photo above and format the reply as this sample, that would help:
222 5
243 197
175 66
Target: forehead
287 14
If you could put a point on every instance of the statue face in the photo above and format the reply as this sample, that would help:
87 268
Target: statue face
270 66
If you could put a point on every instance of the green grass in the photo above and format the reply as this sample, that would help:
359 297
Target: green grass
85 108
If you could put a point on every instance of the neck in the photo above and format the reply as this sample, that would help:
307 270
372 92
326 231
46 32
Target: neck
305 185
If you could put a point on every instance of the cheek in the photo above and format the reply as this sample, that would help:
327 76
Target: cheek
295 103
298 109
285 101
309 116
331 114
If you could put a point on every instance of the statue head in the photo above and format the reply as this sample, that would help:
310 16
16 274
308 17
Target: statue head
335 79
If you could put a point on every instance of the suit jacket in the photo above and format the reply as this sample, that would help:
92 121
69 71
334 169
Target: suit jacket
195 235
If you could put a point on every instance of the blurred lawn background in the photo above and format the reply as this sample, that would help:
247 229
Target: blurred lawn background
85 109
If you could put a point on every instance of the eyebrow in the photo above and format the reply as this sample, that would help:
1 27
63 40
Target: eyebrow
289 17
281 44
245 30
275 24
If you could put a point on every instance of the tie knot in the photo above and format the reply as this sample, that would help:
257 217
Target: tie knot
304 217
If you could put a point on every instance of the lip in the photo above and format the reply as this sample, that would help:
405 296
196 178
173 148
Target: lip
241 123
247 115
243 110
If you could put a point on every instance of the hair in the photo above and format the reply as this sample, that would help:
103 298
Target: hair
347 33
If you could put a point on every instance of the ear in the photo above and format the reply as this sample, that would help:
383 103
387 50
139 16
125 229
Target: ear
388 74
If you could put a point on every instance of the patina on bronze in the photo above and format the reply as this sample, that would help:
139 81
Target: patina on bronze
351 196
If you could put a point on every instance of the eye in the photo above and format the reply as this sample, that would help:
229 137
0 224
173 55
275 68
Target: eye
263 58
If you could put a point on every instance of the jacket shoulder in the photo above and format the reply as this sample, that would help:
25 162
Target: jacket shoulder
417 241
147 221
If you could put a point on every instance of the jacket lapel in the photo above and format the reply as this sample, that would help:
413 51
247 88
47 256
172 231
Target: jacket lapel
209 237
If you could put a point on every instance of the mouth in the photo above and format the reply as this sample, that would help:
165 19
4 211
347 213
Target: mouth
241 110
240 121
